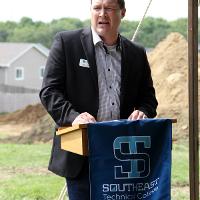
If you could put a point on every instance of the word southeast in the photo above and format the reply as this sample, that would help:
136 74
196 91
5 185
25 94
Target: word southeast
129 187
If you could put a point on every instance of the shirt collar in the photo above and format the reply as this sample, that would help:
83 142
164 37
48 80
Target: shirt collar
96 39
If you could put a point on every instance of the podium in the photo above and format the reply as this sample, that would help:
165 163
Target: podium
74 139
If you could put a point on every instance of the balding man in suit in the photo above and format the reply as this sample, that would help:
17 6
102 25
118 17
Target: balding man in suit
91 75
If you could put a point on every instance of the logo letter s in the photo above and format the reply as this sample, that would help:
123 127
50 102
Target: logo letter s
133 157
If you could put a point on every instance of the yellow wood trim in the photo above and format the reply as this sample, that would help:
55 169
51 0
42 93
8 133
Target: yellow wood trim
64 130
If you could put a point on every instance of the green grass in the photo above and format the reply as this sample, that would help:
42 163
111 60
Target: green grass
180 172
180 164
24 155
23 178
31 187
22 173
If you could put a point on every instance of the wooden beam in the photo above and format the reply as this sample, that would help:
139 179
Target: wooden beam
193 98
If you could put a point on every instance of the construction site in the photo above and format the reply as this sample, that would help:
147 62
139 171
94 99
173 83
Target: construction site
169 66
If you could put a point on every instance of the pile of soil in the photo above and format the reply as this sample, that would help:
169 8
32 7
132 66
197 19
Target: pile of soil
28 115
41 131
169 64
32 125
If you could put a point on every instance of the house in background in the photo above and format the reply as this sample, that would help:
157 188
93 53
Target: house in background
21 73
22 64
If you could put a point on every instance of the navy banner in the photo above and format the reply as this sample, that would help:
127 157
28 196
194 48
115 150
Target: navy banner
130 160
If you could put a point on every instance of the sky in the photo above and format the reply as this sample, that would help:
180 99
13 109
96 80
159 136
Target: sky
47 10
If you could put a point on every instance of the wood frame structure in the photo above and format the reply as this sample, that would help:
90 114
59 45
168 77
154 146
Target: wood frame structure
193 98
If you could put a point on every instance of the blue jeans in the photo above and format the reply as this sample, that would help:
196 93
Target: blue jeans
79 187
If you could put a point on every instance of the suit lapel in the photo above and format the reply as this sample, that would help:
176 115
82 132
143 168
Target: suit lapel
124 68
87 42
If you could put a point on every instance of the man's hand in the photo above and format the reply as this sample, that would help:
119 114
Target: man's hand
84 118
137 115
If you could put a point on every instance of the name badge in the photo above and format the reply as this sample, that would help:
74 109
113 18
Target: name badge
84 63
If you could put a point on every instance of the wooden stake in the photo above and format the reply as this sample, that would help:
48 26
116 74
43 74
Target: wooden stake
193 98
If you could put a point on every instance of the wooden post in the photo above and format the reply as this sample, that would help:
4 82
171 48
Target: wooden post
193 98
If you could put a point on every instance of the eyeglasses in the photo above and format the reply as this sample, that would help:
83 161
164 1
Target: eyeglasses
107 10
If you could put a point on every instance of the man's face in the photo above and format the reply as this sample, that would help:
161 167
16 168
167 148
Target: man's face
106 16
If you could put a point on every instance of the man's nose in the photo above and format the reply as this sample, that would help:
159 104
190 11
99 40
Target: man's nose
102 12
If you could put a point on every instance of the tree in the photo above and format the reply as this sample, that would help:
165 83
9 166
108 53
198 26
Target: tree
179 25
127 28
6 29
152 31
26 21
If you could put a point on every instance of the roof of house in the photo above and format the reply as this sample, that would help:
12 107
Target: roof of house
9 52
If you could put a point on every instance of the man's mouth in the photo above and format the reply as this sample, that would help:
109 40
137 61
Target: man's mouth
102 23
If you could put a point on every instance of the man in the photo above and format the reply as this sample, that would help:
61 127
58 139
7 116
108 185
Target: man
91 75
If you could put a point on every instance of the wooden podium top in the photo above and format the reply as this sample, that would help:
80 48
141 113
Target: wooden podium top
68 129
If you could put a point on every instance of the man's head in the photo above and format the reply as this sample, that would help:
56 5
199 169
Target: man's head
121 3
106 17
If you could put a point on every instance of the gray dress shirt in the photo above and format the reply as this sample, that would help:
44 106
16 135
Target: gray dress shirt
108 60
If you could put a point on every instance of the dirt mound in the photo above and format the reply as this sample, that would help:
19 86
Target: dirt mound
29 115
42 131
31 124
169 64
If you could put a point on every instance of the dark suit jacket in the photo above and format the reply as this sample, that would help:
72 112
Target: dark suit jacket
69 89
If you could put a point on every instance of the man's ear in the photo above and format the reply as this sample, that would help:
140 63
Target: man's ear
123 12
